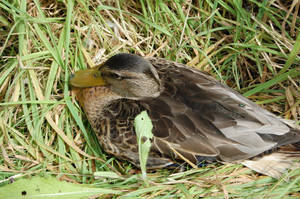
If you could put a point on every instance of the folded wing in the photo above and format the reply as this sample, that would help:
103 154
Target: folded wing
199 117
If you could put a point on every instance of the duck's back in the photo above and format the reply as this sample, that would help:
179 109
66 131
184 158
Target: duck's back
202 119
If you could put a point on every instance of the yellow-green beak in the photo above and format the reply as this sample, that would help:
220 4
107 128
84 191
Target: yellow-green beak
87 78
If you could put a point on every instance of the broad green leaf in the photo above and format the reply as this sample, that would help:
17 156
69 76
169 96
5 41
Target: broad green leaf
50 187
143 128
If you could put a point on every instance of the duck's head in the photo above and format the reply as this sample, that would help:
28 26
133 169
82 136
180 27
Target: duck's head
129 76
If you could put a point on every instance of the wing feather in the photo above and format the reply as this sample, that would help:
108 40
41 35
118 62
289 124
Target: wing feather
198 115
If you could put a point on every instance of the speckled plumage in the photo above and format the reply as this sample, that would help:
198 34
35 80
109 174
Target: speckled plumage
193 114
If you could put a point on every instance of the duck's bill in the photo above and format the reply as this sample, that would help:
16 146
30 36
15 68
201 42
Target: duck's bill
87 78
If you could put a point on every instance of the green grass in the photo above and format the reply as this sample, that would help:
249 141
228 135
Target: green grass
253 47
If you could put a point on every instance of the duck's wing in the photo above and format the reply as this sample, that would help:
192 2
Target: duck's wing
201 118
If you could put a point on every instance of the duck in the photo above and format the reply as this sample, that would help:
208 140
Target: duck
195 118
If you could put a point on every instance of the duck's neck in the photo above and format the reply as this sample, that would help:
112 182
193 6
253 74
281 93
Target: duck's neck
94 100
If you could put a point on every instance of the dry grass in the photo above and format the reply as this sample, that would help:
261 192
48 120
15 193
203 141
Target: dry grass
252 46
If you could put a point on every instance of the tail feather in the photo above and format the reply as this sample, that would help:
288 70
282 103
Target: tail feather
275 164
278 163
291 123
294 128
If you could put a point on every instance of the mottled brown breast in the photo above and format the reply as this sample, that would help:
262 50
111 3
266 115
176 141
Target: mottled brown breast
112 119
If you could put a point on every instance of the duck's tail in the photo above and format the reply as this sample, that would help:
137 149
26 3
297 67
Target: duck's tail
295 128
274 164
277 163
292 124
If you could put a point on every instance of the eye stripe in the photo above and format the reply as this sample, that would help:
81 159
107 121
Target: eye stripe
115 76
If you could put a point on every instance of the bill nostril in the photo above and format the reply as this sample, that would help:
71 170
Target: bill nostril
71 76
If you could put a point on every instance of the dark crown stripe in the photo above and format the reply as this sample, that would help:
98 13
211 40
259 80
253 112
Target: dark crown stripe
130 62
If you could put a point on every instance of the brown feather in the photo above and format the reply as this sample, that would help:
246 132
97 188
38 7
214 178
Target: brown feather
194 114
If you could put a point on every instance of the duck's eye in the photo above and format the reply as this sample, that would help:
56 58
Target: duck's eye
115 76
